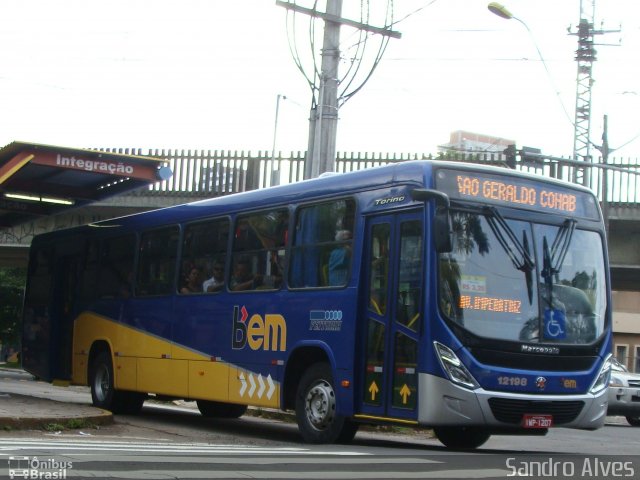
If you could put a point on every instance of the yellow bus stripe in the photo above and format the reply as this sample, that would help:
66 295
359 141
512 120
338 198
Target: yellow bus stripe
385 419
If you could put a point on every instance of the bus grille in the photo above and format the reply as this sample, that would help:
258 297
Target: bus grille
511 411
525 361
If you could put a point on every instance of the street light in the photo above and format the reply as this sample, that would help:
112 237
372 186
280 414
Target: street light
502 12
274 169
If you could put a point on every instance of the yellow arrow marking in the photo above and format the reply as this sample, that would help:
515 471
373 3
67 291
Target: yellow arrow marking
405 391
373 389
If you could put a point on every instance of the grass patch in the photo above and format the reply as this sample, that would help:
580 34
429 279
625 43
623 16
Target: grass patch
53 427
15 365
73 424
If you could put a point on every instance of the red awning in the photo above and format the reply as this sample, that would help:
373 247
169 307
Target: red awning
40 180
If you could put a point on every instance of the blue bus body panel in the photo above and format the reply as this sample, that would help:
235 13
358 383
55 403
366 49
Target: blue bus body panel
258 332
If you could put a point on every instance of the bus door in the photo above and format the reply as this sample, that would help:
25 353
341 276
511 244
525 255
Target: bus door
64 303
393 309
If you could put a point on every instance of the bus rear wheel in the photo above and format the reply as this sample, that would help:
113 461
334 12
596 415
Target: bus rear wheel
462 437
220 409
316 414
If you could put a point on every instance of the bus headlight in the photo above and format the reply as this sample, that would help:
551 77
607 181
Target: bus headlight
454 368
602 381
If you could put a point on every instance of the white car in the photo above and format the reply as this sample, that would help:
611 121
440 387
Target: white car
624 393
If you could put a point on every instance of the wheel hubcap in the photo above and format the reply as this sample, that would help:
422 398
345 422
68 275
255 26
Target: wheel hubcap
101 383
320 405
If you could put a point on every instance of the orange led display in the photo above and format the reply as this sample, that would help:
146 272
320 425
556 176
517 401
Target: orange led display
517 190
515 193
489 304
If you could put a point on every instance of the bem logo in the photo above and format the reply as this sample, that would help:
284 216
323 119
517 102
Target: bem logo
269 333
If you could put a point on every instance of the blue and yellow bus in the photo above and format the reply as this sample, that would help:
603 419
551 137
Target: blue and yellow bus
470 299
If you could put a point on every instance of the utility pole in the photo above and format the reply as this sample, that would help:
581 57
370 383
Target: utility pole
323 117
271 174
604 151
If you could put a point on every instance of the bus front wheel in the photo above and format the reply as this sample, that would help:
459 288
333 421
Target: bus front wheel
462 437
102 389
103 393
316 414
634 421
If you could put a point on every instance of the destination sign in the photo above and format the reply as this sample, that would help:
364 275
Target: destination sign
516 192
489 304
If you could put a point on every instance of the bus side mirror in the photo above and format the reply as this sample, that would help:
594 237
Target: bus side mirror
442 220
442 230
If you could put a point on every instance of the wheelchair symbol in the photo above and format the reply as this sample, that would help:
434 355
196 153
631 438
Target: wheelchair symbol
552 326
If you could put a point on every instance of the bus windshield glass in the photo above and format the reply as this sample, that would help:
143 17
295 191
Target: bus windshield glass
513 280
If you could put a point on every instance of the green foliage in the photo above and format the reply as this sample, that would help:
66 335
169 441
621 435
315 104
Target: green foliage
71 424
12 283
53 427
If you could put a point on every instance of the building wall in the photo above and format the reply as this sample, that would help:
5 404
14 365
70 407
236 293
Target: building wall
626 328
464 141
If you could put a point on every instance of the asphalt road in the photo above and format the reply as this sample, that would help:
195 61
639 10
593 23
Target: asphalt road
174 441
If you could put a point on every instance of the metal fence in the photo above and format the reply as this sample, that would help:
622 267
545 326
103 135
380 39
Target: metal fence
207 173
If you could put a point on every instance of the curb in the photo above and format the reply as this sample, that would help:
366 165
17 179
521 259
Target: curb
49 414
69 422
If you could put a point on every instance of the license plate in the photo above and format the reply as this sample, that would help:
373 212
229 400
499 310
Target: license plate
537 421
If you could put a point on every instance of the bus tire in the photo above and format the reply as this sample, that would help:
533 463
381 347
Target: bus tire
462 438
103 393
633 421
129 402
349 431
212 409
316 408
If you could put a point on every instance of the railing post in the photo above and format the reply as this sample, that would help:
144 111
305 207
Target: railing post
253 174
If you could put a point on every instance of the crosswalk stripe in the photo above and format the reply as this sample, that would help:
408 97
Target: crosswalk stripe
289 474
96 446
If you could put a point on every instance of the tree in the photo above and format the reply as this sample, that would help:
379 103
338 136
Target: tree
12 283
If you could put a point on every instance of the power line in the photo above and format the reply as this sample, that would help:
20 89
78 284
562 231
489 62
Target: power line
329 91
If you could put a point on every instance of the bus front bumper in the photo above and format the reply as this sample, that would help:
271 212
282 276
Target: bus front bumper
444 403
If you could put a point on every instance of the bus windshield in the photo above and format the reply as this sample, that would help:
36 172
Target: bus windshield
514 280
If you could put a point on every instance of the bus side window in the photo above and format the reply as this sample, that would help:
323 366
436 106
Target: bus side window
89 285
157 263
204 248
259 251
116 265
321 249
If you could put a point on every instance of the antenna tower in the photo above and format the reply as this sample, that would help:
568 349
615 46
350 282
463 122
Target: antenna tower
585 56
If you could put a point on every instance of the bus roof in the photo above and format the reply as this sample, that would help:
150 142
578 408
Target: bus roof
417 172
324 187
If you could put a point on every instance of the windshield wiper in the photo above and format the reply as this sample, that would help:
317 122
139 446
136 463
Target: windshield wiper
521 257
561 244
554 258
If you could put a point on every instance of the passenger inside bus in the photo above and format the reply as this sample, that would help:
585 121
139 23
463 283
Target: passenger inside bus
339 259
216 282
126 287
193 282
243 277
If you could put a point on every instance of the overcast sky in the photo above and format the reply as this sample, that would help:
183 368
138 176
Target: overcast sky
205 74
